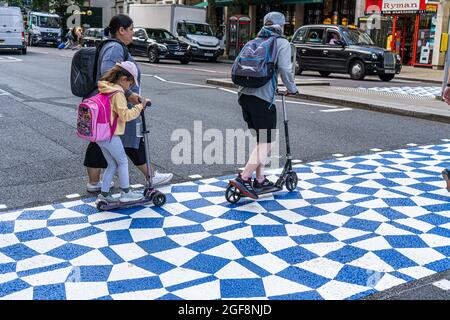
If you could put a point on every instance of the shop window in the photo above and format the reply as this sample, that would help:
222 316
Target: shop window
315 35
425 38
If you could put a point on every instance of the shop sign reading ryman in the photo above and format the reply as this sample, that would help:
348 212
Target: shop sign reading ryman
400 5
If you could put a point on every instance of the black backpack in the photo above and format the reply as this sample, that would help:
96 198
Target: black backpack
83 76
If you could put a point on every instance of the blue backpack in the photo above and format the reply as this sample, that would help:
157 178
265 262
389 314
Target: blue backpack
255 64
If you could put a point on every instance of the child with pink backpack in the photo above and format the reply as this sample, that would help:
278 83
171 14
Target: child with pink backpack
102 119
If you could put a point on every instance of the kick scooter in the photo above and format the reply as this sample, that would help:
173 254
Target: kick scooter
151 194
288 176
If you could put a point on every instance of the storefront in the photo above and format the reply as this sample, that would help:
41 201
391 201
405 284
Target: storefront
410 26
331 12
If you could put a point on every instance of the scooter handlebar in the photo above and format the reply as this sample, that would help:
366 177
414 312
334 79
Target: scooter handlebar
148 104
284 93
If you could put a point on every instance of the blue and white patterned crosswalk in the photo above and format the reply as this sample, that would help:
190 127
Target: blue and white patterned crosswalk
354 226
411 91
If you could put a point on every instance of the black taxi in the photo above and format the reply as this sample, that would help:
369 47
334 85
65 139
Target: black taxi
342 49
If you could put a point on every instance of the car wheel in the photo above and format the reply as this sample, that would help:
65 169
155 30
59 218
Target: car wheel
357 70
386 77
324 73
213 59
298 70
153 55
185 61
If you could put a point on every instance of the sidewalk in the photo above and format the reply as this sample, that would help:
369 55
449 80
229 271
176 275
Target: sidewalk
419 107
355 226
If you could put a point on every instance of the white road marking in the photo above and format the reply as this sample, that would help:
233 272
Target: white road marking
2 206
445 140
442 284
9 59
73 196
338 155
297 161
337 110
184 68
235 92
195 176
412 144
375 150
136 186
228 90
4 93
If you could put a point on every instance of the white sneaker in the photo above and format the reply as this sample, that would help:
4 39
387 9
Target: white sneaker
130 196
161 178
96 187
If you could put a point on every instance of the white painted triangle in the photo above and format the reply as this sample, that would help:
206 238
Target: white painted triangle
421 256
60 230
343 234
64 214
333 206
293 204
27 225
40 261
237 234
388 281
259 219
117 225
388 230
45 245
176 256
226 250
104 216
188 238
209 188
126 271
234 270
273 244
251 207
175 221
139 235
204 291
218 224
373 244
186 196
26 294
98 240
433 240
322 249
91 258
277 286
371 215
85 290
371 262
180 275
175 208
50 277
214 210
10 216
298 230
5 259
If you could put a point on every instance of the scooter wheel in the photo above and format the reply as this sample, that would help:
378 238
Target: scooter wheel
291 181
159 199
148 193
101 205
232 194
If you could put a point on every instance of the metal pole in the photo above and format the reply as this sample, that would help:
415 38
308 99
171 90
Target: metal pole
447 63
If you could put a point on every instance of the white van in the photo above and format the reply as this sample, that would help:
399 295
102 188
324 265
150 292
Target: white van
12 33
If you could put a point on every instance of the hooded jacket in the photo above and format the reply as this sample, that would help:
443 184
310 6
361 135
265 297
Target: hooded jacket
283 67
119 106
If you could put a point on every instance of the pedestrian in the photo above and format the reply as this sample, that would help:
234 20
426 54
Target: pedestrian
115 82
121 29
259 111
446 97
69 39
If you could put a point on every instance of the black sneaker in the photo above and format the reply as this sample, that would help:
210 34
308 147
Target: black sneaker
265 185
244 186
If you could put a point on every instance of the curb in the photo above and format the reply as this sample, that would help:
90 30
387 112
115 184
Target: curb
354 104
230 84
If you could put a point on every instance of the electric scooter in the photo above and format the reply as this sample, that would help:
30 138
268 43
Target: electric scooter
288 176
151 194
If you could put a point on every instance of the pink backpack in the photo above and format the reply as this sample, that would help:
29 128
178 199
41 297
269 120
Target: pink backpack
93 121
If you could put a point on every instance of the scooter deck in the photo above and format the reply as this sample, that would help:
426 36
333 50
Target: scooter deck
271 190
123 205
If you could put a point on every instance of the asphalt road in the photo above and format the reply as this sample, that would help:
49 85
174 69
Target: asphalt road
42 157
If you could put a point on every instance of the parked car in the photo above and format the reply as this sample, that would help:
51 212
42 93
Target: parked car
159 44
12 32
343 49
93 37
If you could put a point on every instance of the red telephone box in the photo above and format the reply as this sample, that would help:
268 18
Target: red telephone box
238 34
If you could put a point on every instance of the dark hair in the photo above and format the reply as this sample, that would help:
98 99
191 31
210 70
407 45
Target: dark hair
117 22
114 74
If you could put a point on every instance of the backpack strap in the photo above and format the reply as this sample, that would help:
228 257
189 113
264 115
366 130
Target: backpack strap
99 49
114 124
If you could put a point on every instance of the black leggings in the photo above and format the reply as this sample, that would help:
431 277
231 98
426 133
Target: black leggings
94 156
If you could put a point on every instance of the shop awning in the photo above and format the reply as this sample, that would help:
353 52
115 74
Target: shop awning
224 3
201 4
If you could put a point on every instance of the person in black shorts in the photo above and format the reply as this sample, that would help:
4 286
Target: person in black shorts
259 110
